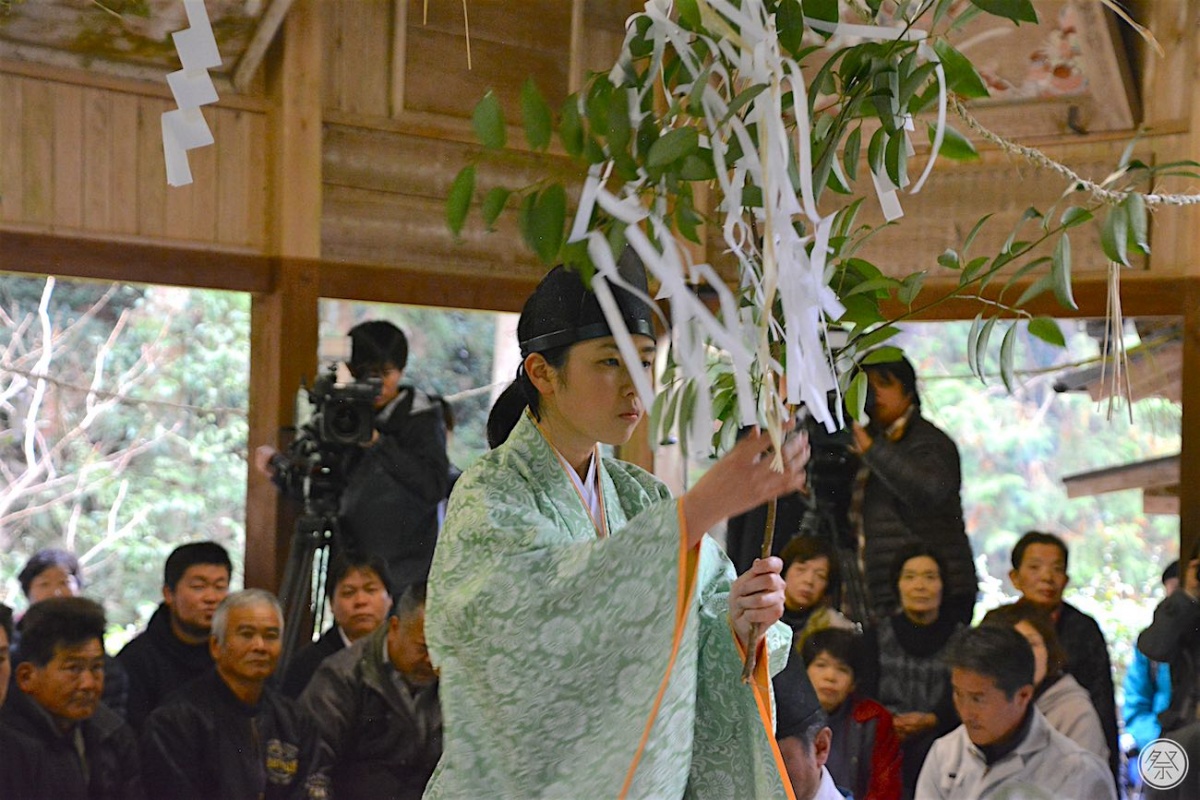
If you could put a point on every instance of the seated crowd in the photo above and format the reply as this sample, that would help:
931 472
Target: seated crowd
913 705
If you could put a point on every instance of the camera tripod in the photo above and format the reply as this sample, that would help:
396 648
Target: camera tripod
303 591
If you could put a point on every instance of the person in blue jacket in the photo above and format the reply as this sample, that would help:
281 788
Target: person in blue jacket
1147 690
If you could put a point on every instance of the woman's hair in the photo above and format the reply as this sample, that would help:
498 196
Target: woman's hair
519 395
916 550
805 548
1022 611
838 643
43 560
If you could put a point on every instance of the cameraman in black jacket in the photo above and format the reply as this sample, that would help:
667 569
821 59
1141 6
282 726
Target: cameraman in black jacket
394 483
908 489
387 488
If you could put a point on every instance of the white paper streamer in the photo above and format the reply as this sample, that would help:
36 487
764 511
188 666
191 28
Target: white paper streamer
184 129
776 261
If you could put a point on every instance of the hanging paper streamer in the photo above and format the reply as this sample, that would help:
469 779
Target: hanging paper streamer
184 128
781 248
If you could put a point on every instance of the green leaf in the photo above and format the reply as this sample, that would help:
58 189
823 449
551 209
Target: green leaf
1073 216
570 127
955 146
689 14
949 260
869 340
1035 289
639 45
1135 209
546 220
493 204
1007 356
744 98
895 158
618 123
912 81
789 21
972 269
961 77
1047 330
488 122
458 201
673 146
698 167
985 335
850 153
974 232
883 355
856 397
882 283
1060 272
599 98
973 345
861 311
1114 235
524 214
536 116
1016 10
875 151
910 288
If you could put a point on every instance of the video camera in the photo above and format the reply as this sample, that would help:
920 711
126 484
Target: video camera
343 417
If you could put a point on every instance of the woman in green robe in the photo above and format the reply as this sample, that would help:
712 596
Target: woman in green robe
589 634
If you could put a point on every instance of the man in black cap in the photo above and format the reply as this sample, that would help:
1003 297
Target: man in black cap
803 734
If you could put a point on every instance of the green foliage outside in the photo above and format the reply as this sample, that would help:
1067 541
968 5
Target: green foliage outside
1015 451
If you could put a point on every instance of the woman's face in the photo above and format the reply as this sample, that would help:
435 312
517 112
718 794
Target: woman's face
920 586
805 583
832 679
53 582
591 398
1041 656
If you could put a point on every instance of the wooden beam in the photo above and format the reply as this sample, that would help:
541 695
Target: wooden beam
1143 296
283 322
1159 504
264 34
385 284
134 262
1156 473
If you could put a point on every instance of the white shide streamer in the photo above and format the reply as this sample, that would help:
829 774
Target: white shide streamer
184 128
789 267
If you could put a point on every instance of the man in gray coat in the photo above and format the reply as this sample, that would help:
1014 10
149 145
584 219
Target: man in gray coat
376 703
1005 748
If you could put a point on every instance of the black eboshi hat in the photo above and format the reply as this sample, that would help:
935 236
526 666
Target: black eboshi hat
562 311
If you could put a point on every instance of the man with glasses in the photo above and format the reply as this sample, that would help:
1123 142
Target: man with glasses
395 482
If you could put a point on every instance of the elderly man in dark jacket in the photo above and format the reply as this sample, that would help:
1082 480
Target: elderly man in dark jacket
87 751
908 490
227 734
376 704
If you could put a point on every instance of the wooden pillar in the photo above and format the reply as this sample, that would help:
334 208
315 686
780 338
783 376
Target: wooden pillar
1189 257
1189 458
283 322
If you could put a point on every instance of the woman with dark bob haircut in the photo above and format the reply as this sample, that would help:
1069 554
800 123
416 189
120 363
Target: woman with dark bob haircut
812 586
583 622
912 681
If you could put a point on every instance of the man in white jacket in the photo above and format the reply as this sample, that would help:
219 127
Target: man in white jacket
1005 749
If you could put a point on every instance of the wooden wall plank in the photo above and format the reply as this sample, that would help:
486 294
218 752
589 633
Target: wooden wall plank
123 183
97 163
12 169
151 169
365 51
37 153
68 156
